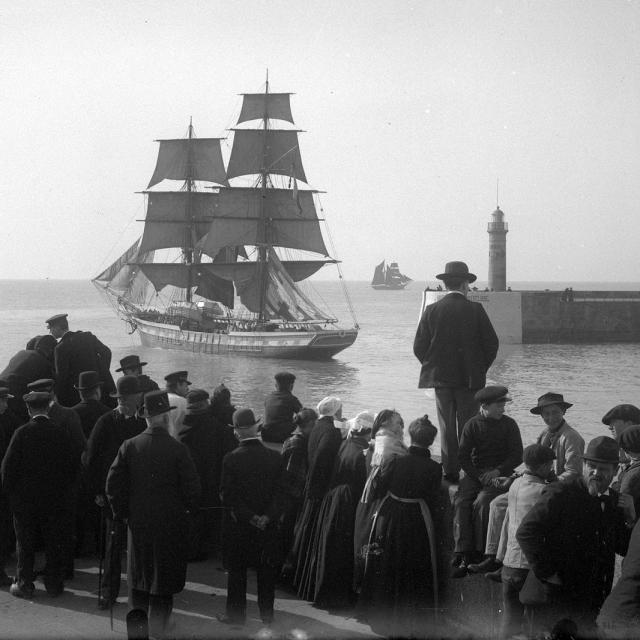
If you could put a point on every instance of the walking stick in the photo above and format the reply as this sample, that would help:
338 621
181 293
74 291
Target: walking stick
114 549
101 553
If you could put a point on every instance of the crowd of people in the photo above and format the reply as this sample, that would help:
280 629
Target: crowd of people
350 514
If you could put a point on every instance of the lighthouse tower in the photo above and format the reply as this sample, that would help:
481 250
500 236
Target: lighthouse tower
497 230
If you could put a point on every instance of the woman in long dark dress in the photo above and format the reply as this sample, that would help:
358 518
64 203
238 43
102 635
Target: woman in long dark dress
400 586
333 544
324 442
387 442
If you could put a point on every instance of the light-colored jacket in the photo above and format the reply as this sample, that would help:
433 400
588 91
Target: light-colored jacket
523 494
568 445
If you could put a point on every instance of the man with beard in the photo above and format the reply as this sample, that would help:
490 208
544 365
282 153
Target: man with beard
111 430
570 538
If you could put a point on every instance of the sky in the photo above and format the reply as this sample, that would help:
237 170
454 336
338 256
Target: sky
412 111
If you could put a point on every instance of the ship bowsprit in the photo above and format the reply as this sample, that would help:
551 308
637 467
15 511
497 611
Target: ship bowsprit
311 344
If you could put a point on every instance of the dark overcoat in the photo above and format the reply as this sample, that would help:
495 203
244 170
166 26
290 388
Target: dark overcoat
69 420
79 351
89 411
279 409
456 344
629 482
208 442
252 485
567 532
153 482
324 442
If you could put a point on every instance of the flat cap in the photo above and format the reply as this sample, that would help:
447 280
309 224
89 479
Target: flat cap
284 376
629 439
491 394
626 412
57 318
178 376
36 397
44 384
536 454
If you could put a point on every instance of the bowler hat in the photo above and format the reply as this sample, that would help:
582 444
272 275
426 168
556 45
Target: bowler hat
126 386
43 384
4 393
602 449
88 380
130 362
629 439
547 399
56 319
197 401
457 269
625 412
178 376
244 419
36 397
536 454
155 403
492 393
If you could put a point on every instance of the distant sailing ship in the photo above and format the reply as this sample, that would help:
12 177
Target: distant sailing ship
389 277
177 284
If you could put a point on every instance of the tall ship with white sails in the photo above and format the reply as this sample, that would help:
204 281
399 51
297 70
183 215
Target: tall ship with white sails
221 263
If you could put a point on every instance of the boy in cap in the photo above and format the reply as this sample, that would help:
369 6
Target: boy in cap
490 448
253 493
570 538
279 408
522 495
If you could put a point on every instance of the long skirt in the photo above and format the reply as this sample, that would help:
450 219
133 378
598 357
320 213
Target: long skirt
302 553
331 578
399 593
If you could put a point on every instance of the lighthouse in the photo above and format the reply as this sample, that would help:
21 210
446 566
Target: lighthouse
497 230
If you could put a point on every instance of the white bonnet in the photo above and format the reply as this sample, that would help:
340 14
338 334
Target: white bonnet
329 406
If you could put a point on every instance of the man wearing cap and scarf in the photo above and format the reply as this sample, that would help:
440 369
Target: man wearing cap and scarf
490 448
111 430
39 472
208 442
131 366
255 498
456 344
570 538
279 408
618 418
27 366
628 480
153 484
77 351
177 387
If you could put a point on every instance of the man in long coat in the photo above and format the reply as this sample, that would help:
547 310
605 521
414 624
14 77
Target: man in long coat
153 483
208 442
456 344
39 474
253 492
571 535
77 351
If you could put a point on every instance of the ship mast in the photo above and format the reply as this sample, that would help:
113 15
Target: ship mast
264 224
188 250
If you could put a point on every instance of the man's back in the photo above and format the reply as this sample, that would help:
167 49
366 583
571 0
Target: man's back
456 343
279 409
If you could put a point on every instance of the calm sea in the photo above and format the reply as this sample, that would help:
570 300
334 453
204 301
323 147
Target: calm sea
379 371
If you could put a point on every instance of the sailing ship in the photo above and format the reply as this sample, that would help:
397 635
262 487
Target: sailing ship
389 277
221 263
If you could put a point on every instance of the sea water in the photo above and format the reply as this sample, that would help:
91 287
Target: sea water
379 371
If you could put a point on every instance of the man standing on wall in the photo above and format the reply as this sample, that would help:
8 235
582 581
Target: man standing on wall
456 344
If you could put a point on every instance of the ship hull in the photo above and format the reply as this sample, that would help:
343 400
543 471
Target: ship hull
389 287
320 344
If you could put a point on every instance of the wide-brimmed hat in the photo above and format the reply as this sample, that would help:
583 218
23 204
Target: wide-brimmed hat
547 399
88 380
43 384
4 393
178 376
126 386
602 449
457 269
629 439
491 394
244 419
155 403
626 412
56 319
197 401
130 362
